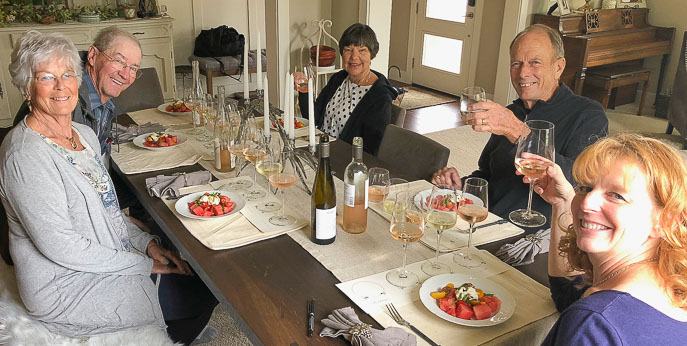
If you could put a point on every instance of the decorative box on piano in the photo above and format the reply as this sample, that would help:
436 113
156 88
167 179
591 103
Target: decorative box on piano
608 36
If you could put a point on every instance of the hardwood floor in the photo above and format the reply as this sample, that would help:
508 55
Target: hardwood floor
433 118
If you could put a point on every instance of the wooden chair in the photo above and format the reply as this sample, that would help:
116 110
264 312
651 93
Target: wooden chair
609 78
227 66
412 153
144 93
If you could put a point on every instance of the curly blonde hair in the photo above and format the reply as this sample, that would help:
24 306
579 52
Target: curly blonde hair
667 176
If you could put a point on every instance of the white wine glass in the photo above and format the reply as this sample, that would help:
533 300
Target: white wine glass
379 184
407 226
396 185
440 214
476 190
536 152
270 165
470 96
209 116
281 180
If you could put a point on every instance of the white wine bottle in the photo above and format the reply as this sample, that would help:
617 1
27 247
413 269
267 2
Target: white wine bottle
323 203
356 183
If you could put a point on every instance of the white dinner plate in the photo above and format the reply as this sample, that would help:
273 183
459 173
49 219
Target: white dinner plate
181 205
435 283
303 120
421 197
138 141
163 108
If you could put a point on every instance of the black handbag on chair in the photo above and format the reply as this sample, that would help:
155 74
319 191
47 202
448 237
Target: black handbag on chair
219 41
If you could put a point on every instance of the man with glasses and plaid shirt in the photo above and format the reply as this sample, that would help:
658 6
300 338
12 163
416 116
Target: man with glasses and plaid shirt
111 65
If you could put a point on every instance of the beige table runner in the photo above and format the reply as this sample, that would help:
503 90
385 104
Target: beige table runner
246 227
534 313
155 116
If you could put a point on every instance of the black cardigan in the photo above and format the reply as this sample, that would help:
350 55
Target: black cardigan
367 120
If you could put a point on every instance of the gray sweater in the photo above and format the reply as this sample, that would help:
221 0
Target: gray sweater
73 272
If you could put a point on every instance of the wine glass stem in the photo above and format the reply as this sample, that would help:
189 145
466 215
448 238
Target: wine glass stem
283 213
529 201
403 268
467 252
436 253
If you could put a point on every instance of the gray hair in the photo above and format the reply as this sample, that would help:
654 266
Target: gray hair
105 37
359 35
35 48
554 37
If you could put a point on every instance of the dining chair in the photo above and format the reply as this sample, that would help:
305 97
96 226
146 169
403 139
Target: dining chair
412 153
398 115
144 93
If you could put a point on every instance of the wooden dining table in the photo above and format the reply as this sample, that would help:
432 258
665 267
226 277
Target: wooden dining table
265 286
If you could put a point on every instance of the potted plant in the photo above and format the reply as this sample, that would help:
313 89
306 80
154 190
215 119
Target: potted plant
88 15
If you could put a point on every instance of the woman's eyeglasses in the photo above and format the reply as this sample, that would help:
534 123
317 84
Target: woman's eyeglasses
49 78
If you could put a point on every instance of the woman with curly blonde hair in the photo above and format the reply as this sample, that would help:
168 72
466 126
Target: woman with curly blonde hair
620 276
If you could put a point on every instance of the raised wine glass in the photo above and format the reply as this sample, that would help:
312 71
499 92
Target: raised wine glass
301 77
475 189
379 184
470 96
407 226
281 180
535 153
440 214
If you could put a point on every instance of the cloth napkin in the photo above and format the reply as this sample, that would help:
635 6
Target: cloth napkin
345 322
524 250
126 134
169 185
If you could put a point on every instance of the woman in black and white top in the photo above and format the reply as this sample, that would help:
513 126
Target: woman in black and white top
356 102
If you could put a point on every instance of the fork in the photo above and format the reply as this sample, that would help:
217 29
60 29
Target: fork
397 317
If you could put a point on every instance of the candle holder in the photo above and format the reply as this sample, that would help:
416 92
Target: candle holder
299 158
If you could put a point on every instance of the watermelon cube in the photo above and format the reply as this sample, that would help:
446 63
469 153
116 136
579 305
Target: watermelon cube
482 312
464 311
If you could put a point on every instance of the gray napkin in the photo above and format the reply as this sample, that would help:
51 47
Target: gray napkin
125 134
345 322
524 250
169 185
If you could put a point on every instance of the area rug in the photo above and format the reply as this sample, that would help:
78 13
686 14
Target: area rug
417 98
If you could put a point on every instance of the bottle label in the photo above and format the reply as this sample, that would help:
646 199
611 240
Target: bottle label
349 195
325 223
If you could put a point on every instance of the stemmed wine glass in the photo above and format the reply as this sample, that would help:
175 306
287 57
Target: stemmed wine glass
270 165
379 184
535 153
407 225
440 214
301 77
397 185
209 115
475 189
281 180
469 96
237 148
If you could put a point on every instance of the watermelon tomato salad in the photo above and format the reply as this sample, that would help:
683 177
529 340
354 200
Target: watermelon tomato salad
211 204
445 202
467 302
160 139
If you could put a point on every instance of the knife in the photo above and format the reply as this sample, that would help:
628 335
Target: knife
498 222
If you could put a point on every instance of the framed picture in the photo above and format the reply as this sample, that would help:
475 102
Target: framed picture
631 4
563 7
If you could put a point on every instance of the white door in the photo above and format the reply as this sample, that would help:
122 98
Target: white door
443 40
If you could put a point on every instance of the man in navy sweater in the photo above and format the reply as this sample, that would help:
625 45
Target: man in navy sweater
537 62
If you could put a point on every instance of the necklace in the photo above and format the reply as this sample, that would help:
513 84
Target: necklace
72 142
623 269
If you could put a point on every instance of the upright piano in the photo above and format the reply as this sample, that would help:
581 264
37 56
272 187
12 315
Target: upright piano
608 36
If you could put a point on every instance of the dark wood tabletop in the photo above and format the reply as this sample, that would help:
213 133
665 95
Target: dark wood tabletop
265 286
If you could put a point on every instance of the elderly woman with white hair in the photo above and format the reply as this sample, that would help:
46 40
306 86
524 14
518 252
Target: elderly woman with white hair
81 265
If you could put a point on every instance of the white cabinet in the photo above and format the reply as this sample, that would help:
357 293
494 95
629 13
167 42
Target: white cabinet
155 35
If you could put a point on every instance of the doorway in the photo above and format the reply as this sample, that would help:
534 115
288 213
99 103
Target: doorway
443 37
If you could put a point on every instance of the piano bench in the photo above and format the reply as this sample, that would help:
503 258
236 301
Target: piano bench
609 78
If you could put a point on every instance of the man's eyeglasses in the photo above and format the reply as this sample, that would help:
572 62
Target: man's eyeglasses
49 78
120 65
